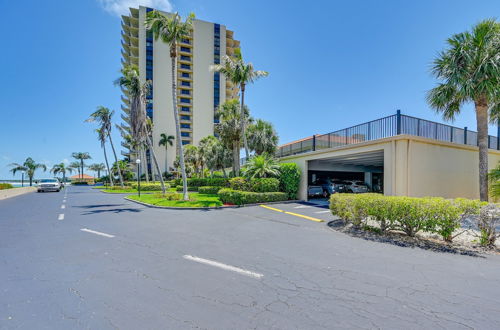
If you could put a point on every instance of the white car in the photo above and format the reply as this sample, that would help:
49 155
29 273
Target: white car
49 185
356 187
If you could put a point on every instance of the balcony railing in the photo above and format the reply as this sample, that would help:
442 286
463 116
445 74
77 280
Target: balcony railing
386 127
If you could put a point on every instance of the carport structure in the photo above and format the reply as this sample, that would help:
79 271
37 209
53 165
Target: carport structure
409 156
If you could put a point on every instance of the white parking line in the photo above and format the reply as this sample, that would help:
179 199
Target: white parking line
61 216
97 233
223 266
63 207
327 211
302 207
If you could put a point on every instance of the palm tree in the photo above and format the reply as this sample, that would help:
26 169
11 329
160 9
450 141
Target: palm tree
103 116
229 129
193 158
81 156
204 149
166 140
97 168
470 72
102 138
61 168
124 167
219 157
29 167
262 137
75 166
261 166
137 92
171 30
241 74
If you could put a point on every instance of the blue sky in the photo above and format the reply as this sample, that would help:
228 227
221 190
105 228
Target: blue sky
332 64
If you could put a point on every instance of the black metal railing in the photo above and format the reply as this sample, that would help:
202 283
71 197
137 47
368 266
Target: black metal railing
386 127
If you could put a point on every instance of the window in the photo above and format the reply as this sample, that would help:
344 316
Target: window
185 109
185 83
185 75
185 66
185 117
149 52
185 125
185 134
185 92
186 49
186 41
185 100
149 63
184 142
186 58
149 44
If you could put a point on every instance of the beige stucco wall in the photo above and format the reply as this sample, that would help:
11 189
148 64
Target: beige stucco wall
414 166
8 193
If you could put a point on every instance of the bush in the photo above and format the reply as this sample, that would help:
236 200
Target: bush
199 182
264 185
239 183
171 196
237 197
211 190
180 188
118 187
289 179
150 186
5 186
80 183
487 222
407 214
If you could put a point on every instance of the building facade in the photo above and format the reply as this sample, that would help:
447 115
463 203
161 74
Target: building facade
199 90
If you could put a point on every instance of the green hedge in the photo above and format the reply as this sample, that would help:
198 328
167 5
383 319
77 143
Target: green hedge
200 182
80 183
264 185
180 188
212 190
289 179
239 183
407 214
150 186
236 197
6 186
119 188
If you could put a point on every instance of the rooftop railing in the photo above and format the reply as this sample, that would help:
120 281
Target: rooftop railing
386 127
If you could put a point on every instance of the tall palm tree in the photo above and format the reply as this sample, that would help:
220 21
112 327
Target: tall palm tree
204 149
29 167
262 137
97 168
469 70
166 140
171 30
75 166
218 157
103 116
101 134
229 129
138 91
61 168
81 156
241 74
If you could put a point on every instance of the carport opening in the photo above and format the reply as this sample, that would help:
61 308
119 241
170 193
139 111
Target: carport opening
367 168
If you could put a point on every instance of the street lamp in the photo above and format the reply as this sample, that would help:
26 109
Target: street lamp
138 162
22 178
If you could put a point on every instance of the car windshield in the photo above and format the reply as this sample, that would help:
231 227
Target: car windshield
359 183
48 180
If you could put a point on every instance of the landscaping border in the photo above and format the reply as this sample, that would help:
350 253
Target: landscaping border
210 207
13 192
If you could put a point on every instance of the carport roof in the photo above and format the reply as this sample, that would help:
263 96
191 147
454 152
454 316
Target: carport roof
374 158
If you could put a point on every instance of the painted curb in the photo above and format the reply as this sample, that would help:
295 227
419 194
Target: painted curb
208 208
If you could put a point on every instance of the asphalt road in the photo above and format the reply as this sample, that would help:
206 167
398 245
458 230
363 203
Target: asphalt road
144 268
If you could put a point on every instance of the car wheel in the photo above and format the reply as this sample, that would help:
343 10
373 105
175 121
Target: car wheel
58 190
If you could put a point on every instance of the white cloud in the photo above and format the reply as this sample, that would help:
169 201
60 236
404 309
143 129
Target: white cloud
66 161
121 7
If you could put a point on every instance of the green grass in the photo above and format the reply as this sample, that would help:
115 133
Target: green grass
195 200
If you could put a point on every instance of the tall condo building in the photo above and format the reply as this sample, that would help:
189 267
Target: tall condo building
199 89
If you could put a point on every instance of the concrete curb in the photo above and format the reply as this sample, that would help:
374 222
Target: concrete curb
208 208
13 192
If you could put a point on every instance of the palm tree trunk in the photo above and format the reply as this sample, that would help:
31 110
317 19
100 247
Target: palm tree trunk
116 160
166 159
107 165
236 158
178 129
31 180
144 157
155 161
243 121
81 166
482 139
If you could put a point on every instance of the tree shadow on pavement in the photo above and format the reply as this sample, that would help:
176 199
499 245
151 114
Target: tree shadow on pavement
114 210
402 240
98 205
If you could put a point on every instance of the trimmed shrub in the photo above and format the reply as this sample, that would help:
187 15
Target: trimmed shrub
5 186
289 179
80 183
171 196
264 185
212 190
118 187
239 183
237 197
199 182
150 186
180 188
407 214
